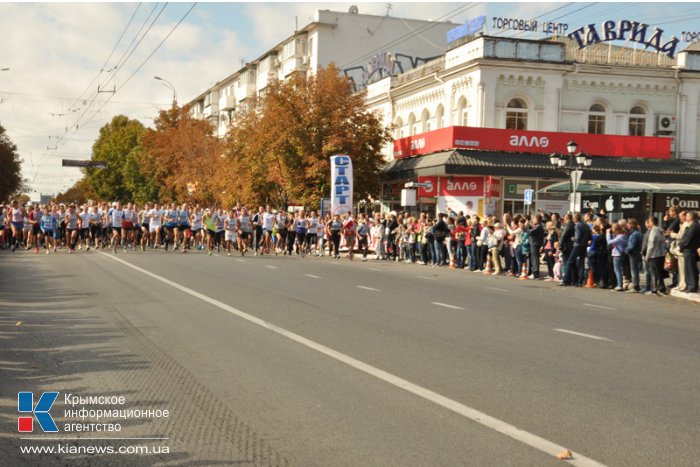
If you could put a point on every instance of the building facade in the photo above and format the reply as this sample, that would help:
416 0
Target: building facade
355 42
529 92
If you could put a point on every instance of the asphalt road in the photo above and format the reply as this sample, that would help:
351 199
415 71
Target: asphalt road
321 362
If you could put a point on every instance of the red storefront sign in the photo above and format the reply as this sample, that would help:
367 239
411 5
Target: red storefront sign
493 187
452 186
543 142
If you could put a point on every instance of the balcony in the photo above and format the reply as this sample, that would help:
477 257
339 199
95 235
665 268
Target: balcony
227 103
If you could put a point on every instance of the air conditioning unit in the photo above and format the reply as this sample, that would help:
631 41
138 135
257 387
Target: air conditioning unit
305 60
666 123
274 62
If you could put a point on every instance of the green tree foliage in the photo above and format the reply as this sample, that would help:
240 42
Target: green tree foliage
118 145
279 150
10 167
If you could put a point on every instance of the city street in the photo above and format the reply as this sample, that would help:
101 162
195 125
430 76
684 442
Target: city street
321 362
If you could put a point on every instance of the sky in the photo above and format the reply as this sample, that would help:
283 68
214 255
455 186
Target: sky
59 55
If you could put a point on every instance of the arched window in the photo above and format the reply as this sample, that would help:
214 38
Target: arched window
638 121
596 119
425 121
411 124
460 117
516 115
399 128
440 117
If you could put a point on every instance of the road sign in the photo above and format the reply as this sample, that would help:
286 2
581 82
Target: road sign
83 163
418 185
528 196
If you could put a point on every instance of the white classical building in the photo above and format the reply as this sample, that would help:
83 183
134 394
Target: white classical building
548 85
478 123
355 42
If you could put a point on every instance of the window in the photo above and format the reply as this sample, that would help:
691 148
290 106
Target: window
638 121
596 119
440 117
399 128
425 120
516 115
411 125
461 117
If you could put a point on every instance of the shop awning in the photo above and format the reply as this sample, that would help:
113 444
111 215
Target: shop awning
508 164
623 187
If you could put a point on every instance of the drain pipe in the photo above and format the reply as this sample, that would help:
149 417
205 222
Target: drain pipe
679 120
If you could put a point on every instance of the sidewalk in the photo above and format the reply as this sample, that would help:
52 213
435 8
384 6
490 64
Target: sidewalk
693 297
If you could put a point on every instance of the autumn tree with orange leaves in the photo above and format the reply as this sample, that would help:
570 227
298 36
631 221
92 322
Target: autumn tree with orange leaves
182 151
279 150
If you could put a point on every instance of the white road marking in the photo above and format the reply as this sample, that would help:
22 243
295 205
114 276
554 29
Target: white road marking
372 269
367 288
240 260
599 306
449 306
530 439
426 277
312 276
590 336
497 289
271 267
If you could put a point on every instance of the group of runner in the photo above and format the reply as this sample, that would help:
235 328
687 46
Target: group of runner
178 227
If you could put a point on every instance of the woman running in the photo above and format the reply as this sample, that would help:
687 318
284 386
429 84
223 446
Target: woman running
172 217
49 229
184 229
116 216
281 221
17 224
84 228
301 225
155 222
198 227
245 229
231 231
71 228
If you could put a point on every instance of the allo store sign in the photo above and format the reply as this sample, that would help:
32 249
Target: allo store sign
341 184
625 31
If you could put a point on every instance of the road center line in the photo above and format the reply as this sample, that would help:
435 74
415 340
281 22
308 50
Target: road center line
312 276
530 439
240 260
367 288
372 269
271 267
590 336
427 278
599 306
497 289
449 306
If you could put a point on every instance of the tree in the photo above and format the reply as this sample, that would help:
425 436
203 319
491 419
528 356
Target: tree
181 151
11 180
280 149
118 145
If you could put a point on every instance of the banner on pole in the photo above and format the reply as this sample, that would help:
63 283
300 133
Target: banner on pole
341 184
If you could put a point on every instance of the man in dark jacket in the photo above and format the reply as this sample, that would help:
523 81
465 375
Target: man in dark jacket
634 252
689 244
566 242
537 234
575 264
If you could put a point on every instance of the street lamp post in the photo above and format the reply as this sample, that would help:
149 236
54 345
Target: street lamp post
170 85
573 167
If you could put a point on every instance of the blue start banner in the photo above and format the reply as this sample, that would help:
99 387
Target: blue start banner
341 184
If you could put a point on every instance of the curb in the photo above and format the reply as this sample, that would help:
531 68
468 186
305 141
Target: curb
693 297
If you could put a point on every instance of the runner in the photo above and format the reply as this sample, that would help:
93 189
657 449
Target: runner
244 232
301 225
231 230
71 228
349 230
184 227
172 217
17 223
128 227
312 234
3 228
198 227
281 221
268 220
116 216
257 229
155 222
84 228
34 219
95 222
144 221
49 229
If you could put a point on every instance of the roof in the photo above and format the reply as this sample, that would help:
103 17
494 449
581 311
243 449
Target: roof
509 164
623 187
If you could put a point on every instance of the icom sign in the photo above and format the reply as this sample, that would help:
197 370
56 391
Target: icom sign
664 201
